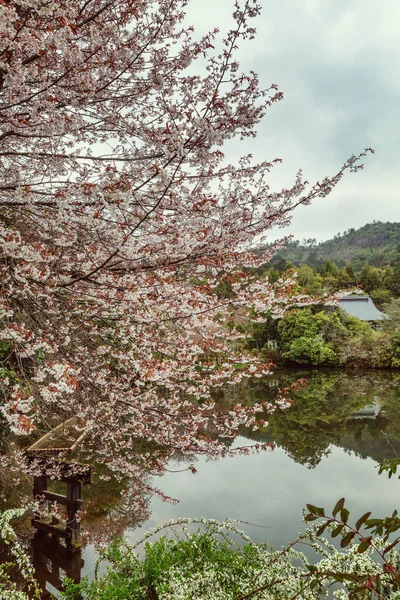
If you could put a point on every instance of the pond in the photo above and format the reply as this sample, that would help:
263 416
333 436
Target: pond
327 445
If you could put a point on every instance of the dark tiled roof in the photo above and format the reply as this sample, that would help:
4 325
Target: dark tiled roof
361 307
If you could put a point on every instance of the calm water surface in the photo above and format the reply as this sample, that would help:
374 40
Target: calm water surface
328 445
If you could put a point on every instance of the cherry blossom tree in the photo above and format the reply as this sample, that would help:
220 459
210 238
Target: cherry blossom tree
120 216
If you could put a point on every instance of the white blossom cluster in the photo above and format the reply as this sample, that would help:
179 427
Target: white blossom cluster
8 590
121 219
277 575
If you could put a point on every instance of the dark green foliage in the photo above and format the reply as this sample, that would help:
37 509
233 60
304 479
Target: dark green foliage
380 296
328 336
329 269
311 350
315 337
296 324
370 278
131 577
272 274
309 280
393 279
376 244
349 269
319 416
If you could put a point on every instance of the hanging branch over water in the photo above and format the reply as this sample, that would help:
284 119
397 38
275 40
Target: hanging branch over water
119 216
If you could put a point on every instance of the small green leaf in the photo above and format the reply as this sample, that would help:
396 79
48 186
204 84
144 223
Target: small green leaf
321 530
344 515
337 530
365 544
309 518
347 539
372 523
392 545
315 510
362 520
312 568
378 583
338 506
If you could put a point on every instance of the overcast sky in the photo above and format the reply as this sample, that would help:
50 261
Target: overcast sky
338 65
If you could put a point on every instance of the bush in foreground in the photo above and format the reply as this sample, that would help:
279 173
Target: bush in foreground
208 565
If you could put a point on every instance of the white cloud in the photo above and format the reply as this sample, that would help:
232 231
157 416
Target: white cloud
338 64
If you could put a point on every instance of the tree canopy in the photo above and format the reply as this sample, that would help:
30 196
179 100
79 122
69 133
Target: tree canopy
376 244
120 216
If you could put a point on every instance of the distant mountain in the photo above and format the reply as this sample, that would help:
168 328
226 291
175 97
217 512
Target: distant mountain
376 244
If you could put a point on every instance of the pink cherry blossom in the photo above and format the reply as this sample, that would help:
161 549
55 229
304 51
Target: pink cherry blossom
119 217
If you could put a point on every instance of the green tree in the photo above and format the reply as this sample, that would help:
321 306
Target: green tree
381 297
272 274
392 310
311 350
329 269
393 280
301 335
392 325
350 272
295 324
332 337
309 279
395 339
370 278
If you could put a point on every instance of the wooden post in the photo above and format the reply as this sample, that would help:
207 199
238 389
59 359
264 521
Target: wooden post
69 529
39 486
49 557
73 504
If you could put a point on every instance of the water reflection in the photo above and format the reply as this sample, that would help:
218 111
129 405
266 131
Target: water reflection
328 446
52 562
329 411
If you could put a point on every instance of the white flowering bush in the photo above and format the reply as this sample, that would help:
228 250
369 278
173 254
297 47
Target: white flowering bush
8 589
174 562
208 565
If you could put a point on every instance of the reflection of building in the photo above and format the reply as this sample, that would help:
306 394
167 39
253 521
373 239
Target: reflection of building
371 411
361 307
52 562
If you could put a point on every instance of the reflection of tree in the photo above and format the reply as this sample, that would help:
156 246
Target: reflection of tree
110 508
378 438
391 411
320 415
316 420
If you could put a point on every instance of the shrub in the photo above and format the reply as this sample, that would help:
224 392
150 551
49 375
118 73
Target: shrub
206 565
311 350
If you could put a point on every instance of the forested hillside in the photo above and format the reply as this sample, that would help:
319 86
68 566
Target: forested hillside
376 244
367 259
